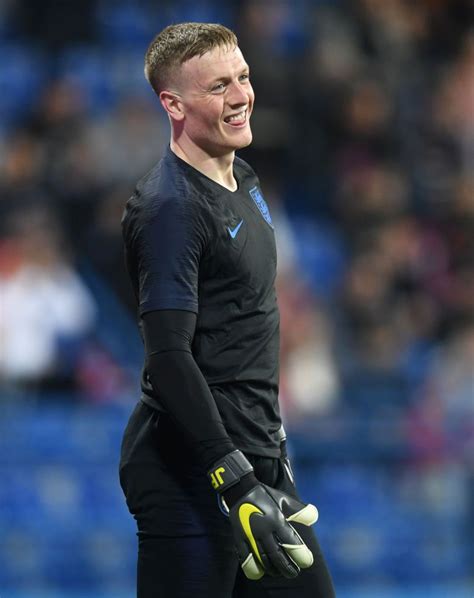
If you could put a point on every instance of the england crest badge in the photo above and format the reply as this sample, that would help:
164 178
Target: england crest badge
261 204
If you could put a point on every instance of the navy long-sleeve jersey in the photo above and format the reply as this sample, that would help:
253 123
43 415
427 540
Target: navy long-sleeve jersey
193 245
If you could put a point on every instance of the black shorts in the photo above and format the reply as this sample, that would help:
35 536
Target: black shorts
186 548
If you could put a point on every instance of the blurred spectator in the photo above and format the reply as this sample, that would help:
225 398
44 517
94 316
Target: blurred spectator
125 144
363 138
55 23
453 387
442 423
102 244
309 379
453 112
22 166
47 313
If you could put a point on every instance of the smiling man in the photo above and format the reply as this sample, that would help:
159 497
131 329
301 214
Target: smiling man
203 463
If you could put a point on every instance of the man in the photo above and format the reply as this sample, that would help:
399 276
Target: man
200 252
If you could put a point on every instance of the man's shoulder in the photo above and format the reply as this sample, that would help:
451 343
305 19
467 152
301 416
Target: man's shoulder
162 193
162 181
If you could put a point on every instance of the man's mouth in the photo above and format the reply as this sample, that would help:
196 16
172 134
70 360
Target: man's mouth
238 119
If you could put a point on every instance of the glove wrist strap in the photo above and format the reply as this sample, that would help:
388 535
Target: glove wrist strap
228 471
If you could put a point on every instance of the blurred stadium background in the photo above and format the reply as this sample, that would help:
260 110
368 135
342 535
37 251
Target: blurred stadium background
364 142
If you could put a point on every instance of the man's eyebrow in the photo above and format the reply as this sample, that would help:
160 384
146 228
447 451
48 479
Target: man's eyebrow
242 71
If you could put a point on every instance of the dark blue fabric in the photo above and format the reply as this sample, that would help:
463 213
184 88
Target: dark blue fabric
169 250
186 546
193 245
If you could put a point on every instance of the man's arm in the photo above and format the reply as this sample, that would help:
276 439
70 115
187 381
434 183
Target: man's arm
180 385
268 543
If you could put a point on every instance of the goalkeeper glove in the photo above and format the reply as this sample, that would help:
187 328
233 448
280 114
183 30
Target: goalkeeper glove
261 520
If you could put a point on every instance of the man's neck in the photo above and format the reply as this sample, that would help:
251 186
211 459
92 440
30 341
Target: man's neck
217 168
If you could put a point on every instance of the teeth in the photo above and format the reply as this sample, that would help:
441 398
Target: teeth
237 117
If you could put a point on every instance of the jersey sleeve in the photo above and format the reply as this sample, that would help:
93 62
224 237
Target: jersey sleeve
168 250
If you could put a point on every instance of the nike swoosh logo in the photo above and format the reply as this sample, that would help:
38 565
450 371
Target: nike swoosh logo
233 232
246 510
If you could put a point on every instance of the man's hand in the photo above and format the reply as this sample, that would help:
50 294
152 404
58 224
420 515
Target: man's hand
261 521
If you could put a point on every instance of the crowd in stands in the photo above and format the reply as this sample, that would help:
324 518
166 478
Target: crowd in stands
364 143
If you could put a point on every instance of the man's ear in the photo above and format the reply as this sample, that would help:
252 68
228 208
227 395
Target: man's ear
171 102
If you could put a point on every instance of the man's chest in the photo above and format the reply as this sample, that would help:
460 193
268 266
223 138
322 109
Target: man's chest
243 240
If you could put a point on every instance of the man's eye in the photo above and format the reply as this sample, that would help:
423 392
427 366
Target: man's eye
244 77
218 87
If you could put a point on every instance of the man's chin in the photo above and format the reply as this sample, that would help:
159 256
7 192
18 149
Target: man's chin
230 145
245 141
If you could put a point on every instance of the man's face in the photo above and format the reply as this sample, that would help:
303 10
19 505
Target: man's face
217 100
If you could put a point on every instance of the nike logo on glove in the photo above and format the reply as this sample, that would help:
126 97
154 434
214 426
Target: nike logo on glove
233 232
245 512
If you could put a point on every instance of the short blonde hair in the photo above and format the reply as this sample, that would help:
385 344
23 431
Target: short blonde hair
178 43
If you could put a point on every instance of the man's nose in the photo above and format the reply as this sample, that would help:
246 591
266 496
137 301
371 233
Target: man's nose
238 94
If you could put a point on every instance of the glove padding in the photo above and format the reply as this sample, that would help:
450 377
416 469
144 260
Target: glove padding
265 539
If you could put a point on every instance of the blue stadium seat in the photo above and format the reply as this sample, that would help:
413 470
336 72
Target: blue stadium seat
23 70
64 522
125 24
320 253
87 68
